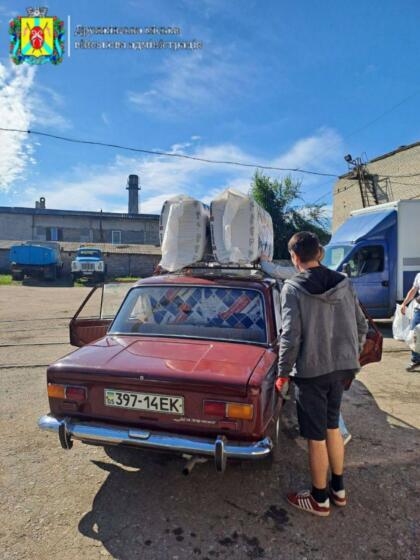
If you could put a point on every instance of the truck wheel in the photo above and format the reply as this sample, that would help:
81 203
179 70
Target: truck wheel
50 273
99 278
17 275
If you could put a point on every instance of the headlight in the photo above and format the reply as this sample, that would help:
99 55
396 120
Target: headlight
100 265
75 265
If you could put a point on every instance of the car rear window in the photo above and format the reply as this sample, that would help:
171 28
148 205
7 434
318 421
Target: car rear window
220 313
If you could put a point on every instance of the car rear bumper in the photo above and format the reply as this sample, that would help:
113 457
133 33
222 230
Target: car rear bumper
106 434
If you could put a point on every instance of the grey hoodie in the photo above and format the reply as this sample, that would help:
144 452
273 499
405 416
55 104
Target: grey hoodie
323 326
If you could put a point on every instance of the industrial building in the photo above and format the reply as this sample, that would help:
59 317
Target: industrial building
44 224
129 241
391 176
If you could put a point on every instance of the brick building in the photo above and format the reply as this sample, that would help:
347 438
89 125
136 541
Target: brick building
392 176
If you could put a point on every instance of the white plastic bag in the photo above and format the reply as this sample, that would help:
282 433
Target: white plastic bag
401 323
413 339
241 230
183 232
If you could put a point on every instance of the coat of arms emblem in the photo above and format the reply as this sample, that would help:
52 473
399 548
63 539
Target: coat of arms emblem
36 39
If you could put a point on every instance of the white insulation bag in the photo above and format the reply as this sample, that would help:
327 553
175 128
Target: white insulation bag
241 231
183 232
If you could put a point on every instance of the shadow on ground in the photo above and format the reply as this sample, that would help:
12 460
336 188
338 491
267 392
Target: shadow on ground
147 509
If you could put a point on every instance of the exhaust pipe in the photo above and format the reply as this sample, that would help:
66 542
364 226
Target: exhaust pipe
190 464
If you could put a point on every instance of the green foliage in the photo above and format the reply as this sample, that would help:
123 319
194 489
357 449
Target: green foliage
281 199
5 279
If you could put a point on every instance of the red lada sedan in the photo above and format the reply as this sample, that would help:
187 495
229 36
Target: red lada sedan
187 365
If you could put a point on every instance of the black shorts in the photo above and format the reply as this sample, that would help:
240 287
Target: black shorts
318 402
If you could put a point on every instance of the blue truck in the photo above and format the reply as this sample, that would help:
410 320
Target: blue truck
379 249
36 258
88 263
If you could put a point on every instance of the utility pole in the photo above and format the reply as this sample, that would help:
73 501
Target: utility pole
366 182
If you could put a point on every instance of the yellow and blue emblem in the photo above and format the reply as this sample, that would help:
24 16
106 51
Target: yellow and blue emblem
36 39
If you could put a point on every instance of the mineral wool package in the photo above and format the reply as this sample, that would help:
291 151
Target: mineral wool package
241 231
184 224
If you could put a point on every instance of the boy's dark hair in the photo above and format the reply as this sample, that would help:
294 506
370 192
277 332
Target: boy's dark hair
306 246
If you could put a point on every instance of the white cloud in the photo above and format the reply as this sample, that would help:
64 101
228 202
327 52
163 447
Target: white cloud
317 152
23 105
16 150
105 119
189 83
92 188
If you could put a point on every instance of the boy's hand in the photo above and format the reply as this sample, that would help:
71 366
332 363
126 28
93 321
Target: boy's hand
282 386
263 257
403 309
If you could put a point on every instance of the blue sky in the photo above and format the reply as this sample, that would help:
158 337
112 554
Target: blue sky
280 83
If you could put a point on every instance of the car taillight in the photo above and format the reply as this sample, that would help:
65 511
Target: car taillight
215 408
56 391
78 394
238 411
67 392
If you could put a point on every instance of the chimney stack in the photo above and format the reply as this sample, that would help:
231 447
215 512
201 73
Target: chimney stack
133 194
40 203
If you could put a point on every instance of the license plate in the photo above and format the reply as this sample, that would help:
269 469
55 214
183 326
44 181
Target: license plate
150 402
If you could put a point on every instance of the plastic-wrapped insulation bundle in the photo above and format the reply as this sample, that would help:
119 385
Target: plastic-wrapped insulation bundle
241 231
183 232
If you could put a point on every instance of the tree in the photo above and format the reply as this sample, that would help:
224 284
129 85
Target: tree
281 200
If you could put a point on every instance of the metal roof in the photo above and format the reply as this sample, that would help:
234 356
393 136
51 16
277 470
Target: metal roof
83 213
71 247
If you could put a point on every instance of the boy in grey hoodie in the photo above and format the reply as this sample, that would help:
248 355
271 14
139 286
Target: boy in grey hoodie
323 333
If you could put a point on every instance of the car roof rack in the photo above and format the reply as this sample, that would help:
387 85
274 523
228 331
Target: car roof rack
216 269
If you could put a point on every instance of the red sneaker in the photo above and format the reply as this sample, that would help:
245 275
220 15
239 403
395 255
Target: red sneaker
306 502
338 498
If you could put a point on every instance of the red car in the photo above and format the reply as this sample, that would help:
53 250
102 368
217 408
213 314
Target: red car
186 366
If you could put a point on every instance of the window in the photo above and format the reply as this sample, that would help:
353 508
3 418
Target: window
366 260
54 234
216 313
334 255
116 237
88 252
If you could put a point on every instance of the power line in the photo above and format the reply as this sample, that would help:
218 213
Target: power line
366 125
386 112
168 154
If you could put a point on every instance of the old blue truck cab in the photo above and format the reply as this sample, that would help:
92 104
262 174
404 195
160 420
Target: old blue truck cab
379 249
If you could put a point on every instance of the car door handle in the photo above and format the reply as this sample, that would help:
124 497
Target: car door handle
385 283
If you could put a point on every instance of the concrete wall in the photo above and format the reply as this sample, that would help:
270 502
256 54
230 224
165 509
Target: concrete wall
347 193
118 264
11 225
79 228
